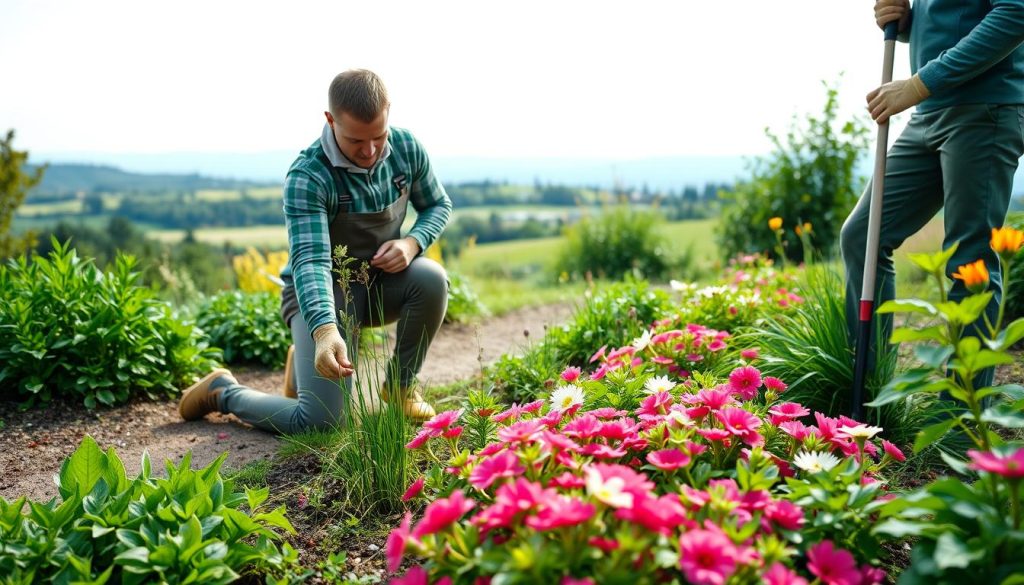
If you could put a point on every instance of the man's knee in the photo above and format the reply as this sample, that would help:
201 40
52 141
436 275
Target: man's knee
852 240
430 281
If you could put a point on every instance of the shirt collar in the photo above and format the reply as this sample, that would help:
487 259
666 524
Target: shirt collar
334 154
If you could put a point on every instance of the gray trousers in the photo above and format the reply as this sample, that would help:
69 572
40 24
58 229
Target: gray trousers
960 158
416 298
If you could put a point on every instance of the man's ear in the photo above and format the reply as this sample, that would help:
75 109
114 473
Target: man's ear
330 119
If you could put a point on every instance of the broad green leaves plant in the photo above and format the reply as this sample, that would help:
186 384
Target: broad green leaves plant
190 527
247 326
69 330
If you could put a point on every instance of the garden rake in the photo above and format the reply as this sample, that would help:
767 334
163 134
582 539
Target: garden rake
867 295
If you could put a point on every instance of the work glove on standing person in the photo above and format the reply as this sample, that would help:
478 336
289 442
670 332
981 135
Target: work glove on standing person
896 96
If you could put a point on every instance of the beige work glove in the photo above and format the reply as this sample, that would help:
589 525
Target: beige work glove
895 97
331 355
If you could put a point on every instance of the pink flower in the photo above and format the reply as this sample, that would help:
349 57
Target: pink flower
662 515
397 540
571 373
575 581
533 406
714 434
778 574
774 384
738 421
599 354
714 399
745 381
489 470
442 513
421 439
413 491
523 431
604 544
707 557
784 514
834 566
414 576
871 575
567 481
607 412
452 432
655 404
443 420
795 429
749 354
716 345
789 410
513 412
1009 466
893 451
560 511
584 427
668 459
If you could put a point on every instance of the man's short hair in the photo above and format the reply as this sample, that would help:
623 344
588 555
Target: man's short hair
358 92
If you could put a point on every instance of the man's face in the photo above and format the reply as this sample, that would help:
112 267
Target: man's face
360 142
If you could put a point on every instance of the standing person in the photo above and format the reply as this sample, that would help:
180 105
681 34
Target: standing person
351 187
960 148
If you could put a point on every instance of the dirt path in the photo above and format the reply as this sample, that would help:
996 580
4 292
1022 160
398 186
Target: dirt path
33 444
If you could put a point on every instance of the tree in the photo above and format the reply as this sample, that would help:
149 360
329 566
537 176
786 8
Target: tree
809 178
14 185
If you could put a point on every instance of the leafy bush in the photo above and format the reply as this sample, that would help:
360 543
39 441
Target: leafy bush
968 530
612 317
188 528
809 178
247 326
463 304
619 241
69 330
695 483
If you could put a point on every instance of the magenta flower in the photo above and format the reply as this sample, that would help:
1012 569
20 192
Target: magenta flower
571 374
604 544
523 431
795 429
707 557
557 442
749 354
655 404
584 427
774 384
662 515
617 430
443 420
1008 466
599 354
489 470
513 412
440 514
397 540
778 574
607 413
714 434
668 459
534 406
785 514
716 345
560 511
745 381
414 576
421 438
789 410
413 491
575 581
738 421
893 451
567 481
834 566
871 575
715 399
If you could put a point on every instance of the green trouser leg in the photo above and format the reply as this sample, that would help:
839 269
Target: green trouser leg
960 158
416 298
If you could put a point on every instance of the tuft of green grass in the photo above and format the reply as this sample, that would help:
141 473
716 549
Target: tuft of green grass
252 474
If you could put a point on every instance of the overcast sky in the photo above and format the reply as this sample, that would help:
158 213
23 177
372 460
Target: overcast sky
498 79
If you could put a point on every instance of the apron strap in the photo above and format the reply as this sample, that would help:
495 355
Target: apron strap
344 197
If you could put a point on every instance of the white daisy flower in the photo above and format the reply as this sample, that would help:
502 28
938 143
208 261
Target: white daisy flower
658 384
641 343
610 492
815 461
566 396
859 431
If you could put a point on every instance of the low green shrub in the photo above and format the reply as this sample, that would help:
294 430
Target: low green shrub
70 330
613 244
463 304
246 326
192 527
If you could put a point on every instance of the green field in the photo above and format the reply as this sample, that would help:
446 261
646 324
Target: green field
271 237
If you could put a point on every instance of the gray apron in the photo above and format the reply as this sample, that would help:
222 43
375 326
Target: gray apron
362 233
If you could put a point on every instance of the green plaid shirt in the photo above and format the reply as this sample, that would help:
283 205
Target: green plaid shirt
311 204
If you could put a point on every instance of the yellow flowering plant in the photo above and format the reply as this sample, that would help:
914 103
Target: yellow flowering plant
256 272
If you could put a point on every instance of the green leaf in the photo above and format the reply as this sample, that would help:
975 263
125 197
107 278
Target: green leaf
898 528
908 306
951 552
105 396
80 472
134 557
932 433
1013 333
907 334
1003 417
936 262
934 356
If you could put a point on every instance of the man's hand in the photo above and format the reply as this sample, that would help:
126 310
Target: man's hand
887 11
395 255
895 97
331 359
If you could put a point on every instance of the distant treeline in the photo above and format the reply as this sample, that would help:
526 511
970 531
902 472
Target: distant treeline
67 181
